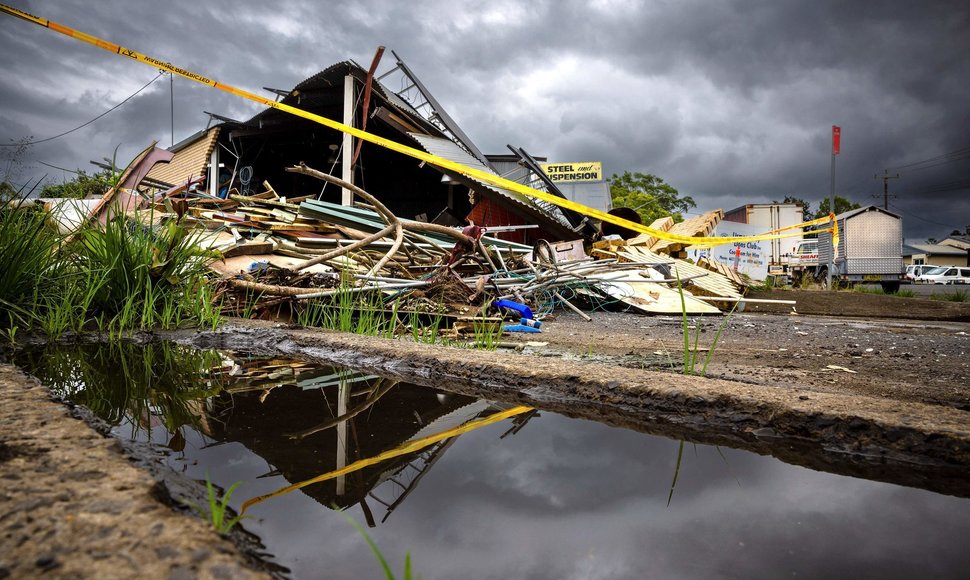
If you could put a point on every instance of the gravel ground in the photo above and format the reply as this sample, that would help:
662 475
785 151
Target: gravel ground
903 360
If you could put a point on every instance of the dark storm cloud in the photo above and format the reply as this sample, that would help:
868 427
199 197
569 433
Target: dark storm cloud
730 102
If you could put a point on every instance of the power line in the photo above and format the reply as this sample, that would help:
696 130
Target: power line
941 159
131 96
951 186
952 160
910 214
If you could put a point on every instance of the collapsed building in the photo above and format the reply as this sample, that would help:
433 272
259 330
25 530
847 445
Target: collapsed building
387 220
242 155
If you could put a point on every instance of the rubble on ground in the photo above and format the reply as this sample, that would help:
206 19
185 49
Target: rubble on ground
280 254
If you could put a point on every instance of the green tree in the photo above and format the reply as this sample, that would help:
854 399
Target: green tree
83 185
7 192
649 195
806 207
841 205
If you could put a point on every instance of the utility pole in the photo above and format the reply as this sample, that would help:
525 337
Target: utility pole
885 186
836 149
171 86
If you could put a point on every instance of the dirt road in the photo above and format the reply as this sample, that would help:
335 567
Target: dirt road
894 359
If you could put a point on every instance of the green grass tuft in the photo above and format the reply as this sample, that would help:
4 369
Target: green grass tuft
691 353
150 276
30 262
218 508
954 296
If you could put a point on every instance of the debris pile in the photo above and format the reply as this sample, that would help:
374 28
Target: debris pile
320 263
281 256
291 254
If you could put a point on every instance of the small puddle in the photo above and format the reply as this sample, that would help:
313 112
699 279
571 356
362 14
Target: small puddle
486 490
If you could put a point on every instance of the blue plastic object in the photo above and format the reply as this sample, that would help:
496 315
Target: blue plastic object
521 309
258 266
519 328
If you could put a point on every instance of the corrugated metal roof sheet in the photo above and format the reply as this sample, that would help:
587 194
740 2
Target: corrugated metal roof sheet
448 149
311 93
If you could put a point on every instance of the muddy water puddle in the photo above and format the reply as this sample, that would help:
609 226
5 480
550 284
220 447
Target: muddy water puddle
476 489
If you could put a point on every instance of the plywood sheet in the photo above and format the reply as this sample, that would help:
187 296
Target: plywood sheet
235 265
654 298
702 281
698 226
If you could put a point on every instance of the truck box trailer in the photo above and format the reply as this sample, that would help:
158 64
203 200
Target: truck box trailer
870 249
768 217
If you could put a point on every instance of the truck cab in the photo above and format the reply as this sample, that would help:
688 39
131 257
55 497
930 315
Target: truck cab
805 254
802 261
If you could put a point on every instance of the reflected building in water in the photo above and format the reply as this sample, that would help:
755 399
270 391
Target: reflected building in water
306 420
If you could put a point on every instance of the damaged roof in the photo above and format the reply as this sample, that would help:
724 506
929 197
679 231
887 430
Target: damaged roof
448 149
191 158
316 92
322 91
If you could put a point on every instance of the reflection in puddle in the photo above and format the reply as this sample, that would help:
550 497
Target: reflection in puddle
159 384
557 498
336 434
440 440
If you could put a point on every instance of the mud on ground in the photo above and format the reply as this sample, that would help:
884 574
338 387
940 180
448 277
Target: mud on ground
892 359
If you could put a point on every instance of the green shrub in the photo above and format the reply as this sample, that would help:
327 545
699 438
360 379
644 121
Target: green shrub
82 186
29 261
146 276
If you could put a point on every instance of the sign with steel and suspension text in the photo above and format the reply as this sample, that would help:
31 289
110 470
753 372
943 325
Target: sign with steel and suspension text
573 172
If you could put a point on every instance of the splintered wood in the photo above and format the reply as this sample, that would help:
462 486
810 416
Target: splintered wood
285 257
695 227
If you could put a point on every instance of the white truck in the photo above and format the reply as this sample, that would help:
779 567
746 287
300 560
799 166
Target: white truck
802 262
870 251
768 217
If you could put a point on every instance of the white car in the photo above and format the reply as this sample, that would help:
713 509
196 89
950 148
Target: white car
913 271
946 275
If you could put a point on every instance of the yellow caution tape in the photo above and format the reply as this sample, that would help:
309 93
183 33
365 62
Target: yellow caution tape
401 148
773 234
408 447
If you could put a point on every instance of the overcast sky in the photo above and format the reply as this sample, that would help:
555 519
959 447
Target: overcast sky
730 102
